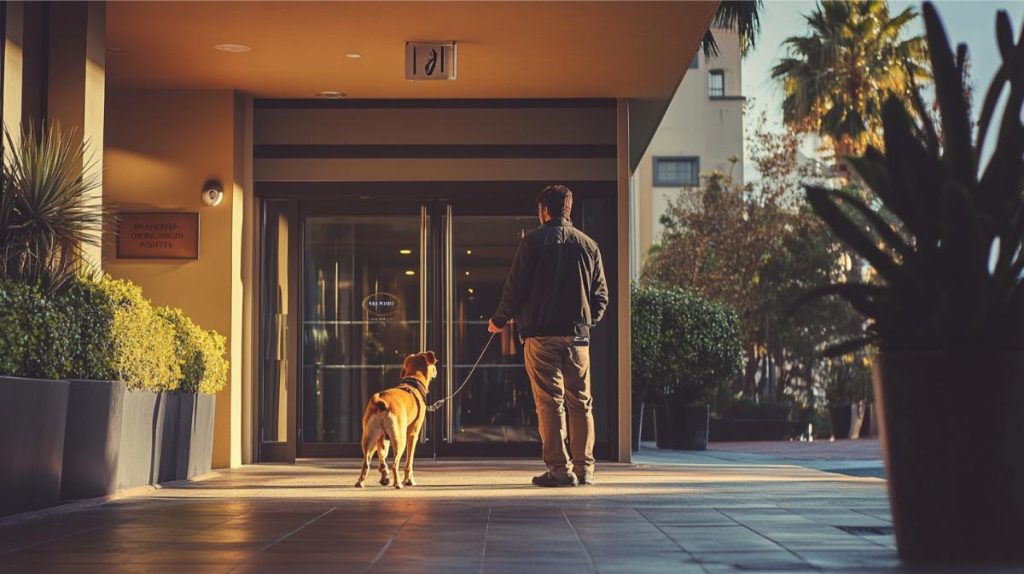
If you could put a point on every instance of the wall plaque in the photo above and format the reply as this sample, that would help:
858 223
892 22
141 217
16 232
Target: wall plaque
158 235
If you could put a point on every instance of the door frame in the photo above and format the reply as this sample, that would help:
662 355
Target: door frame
432 199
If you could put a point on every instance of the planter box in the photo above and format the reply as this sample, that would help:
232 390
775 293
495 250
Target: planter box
149 422
729 429
952 438
682 427
92 440
33 414
194 442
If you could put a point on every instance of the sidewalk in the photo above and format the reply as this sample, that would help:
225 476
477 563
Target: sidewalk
669 512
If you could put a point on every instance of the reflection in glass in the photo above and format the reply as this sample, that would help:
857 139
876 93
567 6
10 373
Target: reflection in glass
360 317
497 406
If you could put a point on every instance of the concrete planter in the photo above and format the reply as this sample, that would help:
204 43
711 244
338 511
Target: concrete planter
92 441
33 414
952 438
682 426
147 438
195 436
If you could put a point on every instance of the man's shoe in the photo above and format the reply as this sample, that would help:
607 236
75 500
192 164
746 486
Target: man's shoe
586 480
549 480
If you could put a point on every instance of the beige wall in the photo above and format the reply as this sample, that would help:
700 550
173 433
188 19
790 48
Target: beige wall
161 146
693 125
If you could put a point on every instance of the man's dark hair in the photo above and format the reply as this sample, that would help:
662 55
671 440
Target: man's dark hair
557 199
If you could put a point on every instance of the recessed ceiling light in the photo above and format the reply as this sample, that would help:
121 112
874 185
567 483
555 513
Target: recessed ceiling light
405 251
410 272
330 95
233 48
354 55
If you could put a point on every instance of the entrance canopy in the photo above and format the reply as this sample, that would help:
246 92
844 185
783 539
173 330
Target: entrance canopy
506 49
637 51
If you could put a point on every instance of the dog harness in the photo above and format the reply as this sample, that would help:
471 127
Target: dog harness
414 387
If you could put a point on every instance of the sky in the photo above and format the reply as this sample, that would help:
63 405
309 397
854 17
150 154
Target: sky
968 21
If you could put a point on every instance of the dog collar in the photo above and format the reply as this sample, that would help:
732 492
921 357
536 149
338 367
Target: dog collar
416 384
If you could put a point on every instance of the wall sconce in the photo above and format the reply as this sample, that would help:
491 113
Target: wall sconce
213 193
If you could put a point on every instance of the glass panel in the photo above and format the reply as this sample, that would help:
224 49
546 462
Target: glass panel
497 406
360 317
274 322
596 217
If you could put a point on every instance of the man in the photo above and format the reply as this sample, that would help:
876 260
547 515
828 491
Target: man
556 291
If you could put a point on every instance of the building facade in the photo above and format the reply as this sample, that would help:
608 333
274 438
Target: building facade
701 132
364 216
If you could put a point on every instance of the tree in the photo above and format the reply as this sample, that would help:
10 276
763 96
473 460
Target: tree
837 78
758 248
743 16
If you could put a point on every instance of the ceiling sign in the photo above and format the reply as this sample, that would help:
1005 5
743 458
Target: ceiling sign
430 61
158 235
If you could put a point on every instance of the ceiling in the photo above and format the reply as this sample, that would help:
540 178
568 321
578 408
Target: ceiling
505 49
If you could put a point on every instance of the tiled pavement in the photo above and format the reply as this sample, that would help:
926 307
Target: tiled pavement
691 513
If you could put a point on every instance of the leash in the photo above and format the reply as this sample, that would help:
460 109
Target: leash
437 404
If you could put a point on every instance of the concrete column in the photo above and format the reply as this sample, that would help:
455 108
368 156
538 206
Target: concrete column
623 451
14 63
75 78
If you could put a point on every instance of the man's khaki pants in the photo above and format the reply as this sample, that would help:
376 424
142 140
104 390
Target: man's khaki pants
560 377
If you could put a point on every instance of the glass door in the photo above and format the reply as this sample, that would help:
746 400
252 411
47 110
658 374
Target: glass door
362 313
496 407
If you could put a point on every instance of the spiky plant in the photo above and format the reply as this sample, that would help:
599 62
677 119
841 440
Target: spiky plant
950 270
49 212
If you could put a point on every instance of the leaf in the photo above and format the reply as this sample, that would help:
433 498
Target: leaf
862 297
949 91
850 233
848 346
891 238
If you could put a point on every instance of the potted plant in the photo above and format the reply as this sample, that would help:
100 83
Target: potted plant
947 310
645 317
697 349
847 382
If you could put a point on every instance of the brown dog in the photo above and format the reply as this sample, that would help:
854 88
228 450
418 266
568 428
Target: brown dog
397 415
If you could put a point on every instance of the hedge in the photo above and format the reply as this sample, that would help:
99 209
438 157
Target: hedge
683 344
105 329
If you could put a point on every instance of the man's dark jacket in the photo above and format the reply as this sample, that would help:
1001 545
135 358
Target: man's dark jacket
556 286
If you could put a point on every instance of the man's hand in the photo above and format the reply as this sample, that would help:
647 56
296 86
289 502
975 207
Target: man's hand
492 328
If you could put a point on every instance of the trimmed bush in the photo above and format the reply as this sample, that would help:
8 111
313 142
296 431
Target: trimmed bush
35 336
684 345
204 368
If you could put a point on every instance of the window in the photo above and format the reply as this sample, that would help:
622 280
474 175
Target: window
716 84
676 171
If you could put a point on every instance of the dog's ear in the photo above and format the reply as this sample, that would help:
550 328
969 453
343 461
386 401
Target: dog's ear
431 357
405 366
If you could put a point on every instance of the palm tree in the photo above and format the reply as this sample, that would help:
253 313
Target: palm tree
838 76
743 16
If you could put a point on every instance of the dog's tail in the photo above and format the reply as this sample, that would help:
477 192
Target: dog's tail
378 401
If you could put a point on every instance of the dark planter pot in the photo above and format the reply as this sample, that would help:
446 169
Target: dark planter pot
865 427
33 415
194 441
731 429
840 418
682 427
148 429
953 438
92 439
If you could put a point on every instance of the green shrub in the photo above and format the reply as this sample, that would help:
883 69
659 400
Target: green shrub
120 336
684 345
204 368
35 337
